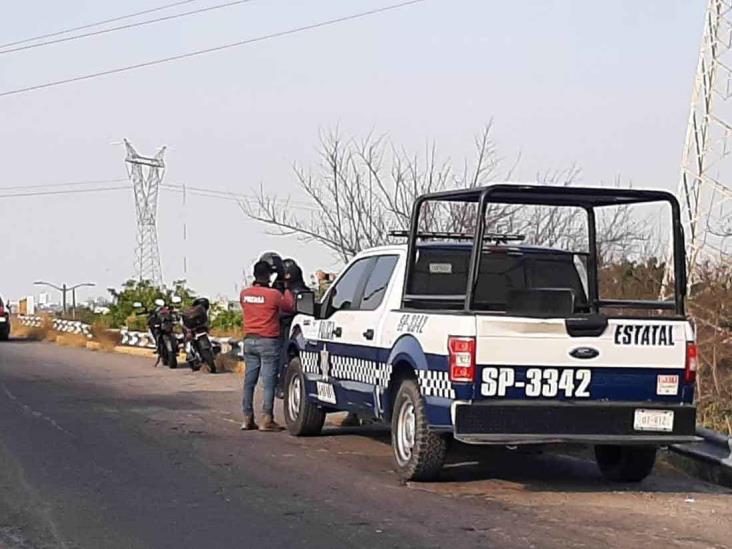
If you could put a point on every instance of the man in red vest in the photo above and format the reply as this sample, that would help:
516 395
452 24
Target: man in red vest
261 306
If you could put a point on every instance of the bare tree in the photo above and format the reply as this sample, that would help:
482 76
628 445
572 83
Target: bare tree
360 190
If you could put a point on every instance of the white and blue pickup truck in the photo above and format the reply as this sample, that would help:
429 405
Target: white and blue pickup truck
476 338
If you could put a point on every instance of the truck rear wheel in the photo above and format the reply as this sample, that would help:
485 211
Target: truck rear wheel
418 452
302 417
625 463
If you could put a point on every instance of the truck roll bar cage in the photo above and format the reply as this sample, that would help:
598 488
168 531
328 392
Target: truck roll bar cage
587 198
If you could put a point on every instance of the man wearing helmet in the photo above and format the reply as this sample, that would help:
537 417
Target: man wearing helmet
262 306
293 281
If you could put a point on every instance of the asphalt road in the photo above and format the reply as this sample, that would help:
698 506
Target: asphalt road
102 450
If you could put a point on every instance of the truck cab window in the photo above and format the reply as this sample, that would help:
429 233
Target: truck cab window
378 281
346 292
443 271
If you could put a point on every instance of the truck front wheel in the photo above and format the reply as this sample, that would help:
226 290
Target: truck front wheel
418 452
302 417
625 463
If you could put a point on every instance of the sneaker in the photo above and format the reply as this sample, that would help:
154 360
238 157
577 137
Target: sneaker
269 424
249 424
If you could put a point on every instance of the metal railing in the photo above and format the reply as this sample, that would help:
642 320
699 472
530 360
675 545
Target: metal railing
716 448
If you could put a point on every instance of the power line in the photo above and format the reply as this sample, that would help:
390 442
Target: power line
67 184
181 56
235 197
68 191
124 27
210 193
96 24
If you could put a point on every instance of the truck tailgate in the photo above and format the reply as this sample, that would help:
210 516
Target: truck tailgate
632 360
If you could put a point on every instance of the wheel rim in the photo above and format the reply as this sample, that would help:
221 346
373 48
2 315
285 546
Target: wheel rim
293 397
405 432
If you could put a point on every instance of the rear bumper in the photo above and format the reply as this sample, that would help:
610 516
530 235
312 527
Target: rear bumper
598 422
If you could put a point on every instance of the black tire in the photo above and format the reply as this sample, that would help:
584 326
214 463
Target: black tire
170 357
625 463
4 334
424 460
208 357
305 418
161 352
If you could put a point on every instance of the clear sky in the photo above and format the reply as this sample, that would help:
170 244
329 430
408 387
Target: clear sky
605 85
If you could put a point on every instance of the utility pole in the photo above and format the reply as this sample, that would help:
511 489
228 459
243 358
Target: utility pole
704 188
146 174
64 288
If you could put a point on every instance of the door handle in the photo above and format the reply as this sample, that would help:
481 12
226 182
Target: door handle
369 334
338 331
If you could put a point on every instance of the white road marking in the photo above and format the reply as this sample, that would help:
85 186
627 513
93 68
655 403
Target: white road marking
35 413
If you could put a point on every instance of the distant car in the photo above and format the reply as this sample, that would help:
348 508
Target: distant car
4 321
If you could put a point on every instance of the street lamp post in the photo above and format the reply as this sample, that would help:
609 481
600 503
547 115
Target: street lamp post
63 289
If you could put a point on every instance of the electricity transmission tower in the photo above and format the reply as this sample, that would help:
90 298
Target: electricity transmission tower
146 174
704 189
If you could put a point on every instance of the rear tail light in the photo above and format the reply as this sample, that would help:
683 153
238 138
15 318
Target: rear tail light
461 351
692 362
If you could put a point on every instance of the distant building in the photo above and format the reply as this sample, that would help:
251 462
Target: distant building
27 306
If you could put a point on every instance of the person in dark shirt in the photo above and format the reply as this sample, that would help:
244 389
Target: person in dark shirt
261 307
293 281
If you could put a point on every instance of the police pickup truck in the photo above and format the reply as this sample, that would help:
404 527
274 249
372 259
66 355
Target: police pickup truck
473 337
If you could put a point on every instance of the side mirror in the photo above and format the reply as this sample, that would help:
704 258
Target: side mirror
160 303
176 300
137 305
305 303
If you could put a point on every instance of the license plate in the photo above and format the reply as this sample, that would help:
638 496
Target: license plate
654 420
2 319
326 393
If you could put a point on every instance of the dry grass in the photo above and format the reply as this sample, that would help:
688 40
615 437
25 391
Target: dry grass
229 363
41 333
236 333
107 340
71 340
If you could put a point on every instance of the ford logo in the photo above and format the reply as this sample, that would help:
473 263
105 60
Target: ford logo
584 352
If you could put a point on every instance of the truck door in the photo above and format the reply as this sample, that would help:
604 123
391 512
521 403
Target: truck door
354 307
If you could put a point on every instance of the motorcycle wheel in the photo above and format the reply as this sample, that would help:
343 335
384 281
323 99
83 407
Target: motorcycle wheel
208 357
170 357
161 352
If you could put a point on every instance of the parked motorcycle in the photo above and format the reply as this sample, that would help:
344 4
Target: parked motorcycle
161 322
200 349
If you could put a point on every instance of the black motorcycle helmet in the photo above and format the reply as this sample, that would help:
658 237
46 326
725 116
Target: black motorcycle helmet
293 273
202 302
275 262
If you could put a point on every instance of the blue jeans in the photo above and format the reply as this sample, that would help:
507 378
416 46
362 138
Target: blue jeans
261 354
